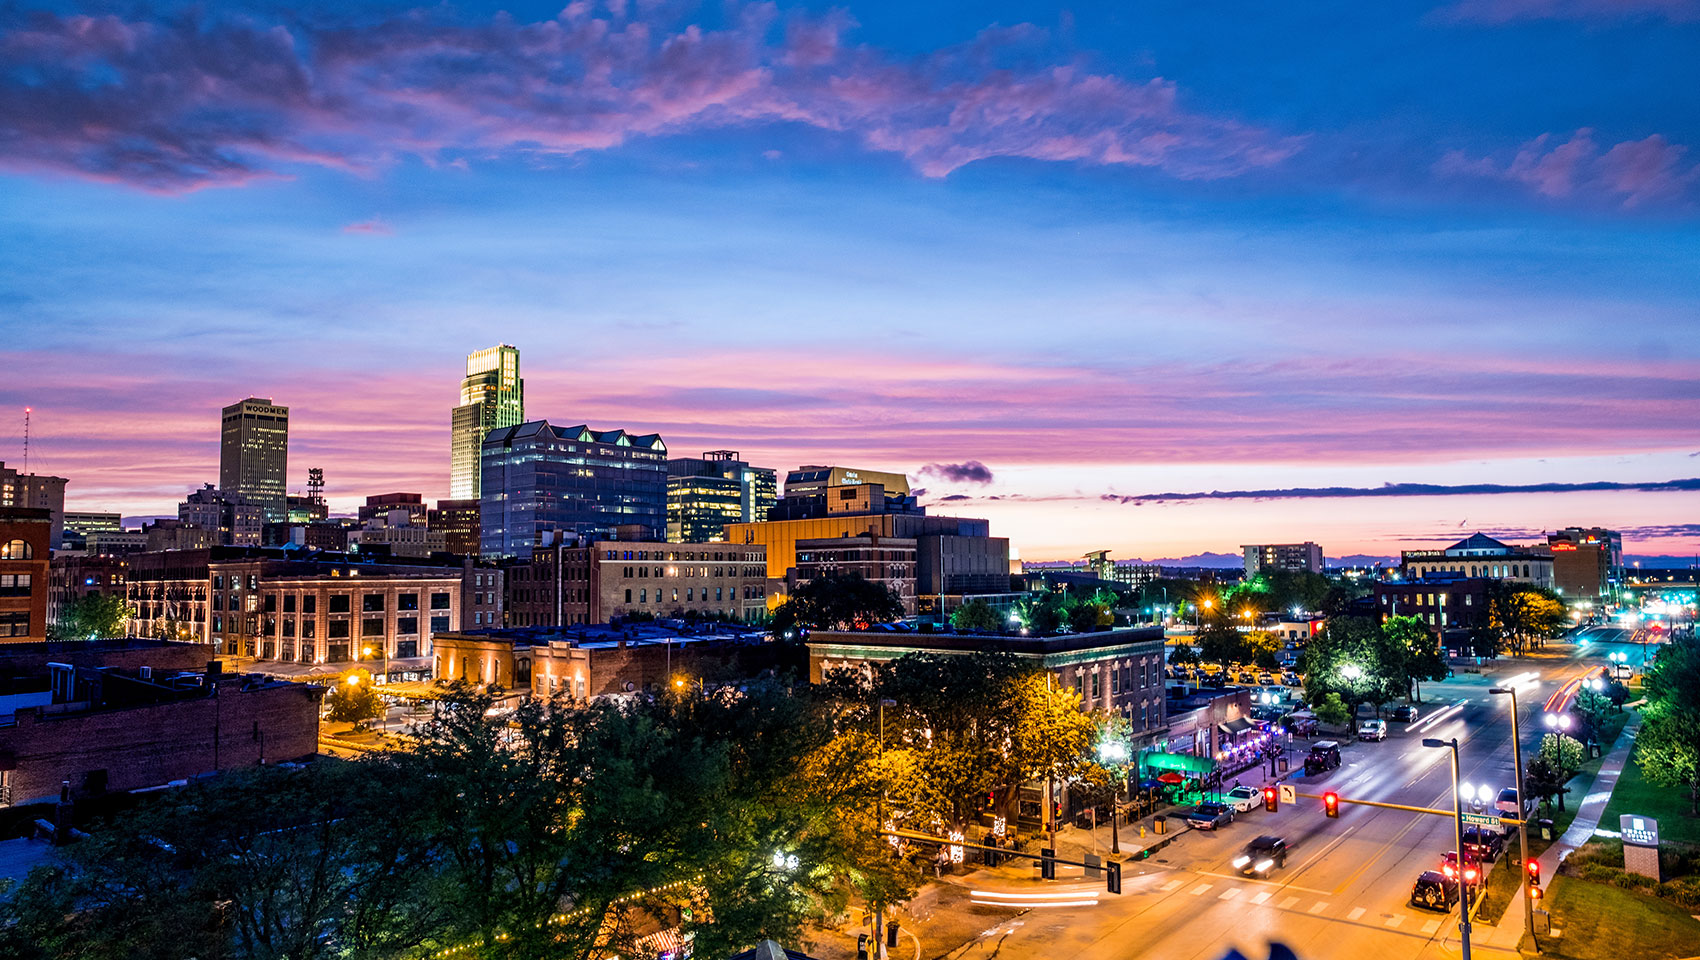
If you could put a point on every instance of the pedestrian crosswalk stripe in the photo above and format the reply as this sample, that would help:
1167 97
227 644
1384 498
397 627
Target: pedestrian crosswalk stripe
1200 889
1171 885
1320 906
1431 926
1356 913
1287 903
1260 897
1229 893
1396 919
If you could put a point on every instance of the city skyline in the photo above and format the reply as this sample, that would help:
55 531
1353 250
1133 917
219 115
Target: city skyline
1088 252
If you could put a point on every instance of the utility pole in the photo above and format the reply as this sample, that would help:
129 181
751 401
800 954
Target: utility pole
1522 820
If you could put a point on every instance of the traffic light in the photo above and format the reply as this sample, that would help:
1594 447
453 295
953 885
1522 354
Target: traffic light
1534 892
1331 803
1534 867
1048 863
1271 799
1113 877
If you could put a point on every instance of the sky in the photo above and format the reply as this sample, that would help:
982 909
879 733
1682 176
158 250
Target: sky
1161 278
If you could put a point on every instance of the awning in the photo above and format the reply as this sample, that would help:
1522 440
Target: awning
1235 727
1177 761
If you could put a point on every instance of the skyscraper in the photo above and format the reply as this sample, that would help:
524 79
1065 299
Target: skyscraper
253 456
569 482
705 493
492 395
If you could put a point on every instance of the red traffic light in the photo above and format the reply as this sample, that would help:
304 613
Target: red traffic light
1271 800
1534 870
1331 803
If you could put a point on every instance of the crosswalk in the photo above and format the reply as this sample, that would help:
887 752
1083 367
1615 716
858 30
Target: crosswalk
1425 924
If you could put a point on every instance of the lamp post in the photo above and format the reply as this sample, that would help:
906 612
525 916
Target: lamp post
879 907
1458 836
1522 827
1113 751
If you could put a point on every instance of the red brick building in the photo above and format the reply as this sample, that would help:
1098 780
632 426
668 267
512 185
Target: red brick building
25 535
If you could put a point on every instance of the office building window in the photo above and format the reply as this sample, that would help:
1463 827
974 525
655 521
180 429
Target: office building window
439 601
372 603
339 603
15 585
289 603
14 624
338 630
407 601
439 624
309 629
372 627
310 603
407 625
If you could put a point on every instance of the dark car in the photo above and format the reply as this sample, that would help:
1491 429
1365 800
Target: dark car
1324 755
1483 845
1210 816
1434 891
1261 856
1405 714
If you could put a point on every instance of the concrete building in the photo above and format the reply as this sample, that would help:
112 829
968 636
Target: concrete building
492 396
458 520
38 492
26 538
384 506
705 493
229 518
1587 563
780 538
396 535
819 491
1481 556
539 479
73 577
79 526
117 544
1294 557
253 456
114 730
564 585
887 561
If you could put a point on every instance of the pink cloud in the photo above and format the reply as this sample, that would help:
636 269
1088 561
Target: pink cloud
376 225
185 102
1505 11
1630 174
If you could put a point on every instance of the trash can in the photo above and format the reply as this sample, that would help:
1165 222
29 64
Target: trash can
1160 824
1546 829
1284 764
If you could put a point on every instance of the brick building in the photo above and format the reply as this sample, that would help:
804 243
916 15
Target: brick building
887 561
562 585
114 730
587 661
25 540
72 577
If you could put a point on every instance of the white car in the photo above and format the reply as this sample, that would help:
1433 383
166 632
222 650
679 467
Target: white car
1243 798
1372 730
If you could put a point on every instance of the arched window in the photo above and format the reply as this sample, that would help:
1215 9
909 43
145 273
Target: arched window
17 550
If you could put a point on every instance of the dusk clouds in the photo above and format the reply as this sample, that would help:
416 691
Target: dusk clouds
1632 172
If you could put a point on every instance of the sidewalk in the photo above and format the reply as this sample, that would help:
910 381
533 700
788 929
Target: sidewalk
1592 803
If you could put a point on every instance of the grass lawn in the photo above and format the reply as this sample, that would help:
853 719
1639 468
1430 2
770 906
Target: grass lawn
1601 922
1668 805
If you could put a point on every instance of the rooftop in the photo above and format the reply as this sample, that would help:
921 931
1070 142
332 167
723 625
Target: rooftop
595 636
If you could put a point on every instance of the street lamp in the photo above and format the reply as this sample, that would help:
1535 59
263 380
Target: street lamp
1522 808
879 907
1352 672
1458 835
1113 752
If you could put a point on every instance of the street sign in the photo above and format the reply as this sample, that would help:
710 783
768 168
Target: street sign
1289 793
1481 819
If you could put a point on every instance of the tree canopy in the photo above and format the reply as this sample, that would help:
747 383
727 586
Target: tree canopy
1668 745
837 602
93 617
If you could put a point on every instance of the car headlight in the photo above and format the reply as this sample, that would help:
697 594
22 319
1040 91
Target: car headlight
1240 862
1264 865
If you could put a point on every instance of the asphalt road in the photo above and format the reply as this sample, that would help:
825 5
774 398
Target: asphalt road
1345 888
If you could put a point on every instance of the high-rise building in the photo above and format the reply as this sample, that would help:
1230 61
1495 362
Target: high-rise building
492 396
37 492
458 519
253 456
229 519
539 479
705 493
1293 557
1586 562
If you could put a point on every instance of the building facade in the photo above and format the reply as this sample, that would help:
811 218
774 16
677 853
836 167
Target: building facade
887 561
73 577
38 492
1482 556
229 518
565 585
80 526
492 396
253 456
396 536
1587 563
705 493
539 479
458 520
1293 557
26 537
586 662
384 505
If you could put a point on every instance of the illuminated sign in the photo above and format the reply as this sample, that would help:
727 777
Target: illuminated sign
955 848
1000 827
1562 547
1639 831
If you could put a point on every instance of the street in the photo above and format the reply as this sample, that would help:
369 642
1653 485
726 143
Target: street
1346 886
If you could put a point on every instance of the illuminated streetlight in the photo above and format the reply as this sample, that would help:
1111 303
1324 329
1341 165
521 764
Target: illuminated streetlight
1352 671
353 680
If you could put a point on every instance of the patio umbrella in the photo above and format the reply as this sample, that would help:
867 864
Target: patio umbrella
1171 777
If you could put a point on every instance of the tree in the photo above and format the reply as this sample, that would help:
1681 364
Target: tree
1422 659
1355 658
1520 614
1087 617
93 616
977 616
1333 711
1183 654
1668 746
837 602
1220 643
1544 781
1561 753
354 702
1261 648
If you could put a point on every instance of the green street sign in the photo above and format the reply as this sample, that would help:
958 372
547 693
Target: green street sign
1481 820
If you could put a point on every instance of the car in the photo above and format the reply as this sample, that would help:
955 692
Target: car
1405 714
1210 669
1246 676
1434 890
1324 755
1265 680
1483 845
1292 679
1243 798
1372 730
1507 804
1261 856
1210 816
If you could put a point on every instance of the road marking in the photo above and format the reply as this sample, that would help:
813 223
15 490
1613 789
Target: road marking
1171 885
1200 889
1229 893
1287 903
1396 919
1260 898
1356 913
1320 906
1430 927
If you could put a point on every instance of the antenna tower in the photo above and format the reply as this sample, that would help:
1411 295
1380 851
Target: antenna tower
26 440
316 484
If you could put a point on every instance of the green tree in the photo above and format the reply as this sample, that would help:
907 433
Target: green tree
1333 711
837 602
93 616
1220 643
1183 654
1561 753
1089 617
1521 614
1261 648
354 702
1543 780
1418 653
1355 658
977 616
1668 745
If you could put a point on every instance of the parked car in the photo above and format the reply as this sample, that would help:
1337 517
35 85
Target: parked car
1405 714
1324 755
1292 679
1243 798
1483 844
1246 676
1264 680
1507 804
1210 816
1434 891
1262 856
1372 730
